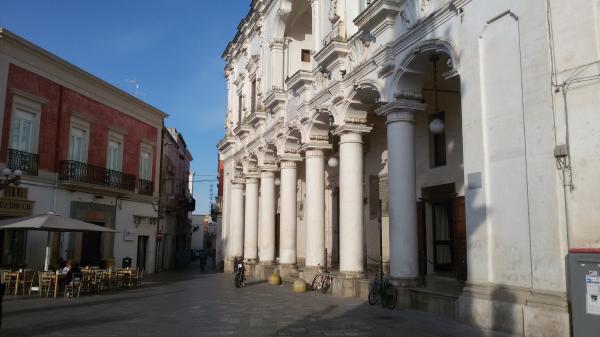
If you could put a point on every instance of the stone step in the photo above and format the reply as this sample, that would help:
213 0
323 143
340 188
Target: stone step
440 295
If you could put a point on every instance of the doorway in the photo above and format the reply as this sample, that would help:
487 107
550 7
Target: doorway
142 249
442 232
91 247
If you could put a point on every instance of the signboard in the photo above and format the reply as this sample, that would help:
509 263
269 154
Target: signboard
592 300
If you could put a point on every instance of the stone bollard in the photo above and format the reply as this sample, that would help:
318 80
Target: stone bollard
300 286
274 279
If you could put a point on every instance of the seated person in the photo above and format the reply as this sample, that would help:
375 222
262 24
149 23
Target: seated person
73 271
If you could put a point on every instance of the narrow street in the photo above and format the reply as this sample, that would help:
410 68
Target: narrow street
190 303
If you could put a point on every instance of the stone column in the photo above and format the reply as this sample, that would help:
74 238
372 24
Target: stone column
402 186
315 208
316 25
236 228
267 218
277 62
251 220
351 199
287 241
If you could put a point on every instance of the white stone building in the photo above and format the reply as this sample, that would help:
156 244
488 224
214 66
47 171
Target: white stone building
474 122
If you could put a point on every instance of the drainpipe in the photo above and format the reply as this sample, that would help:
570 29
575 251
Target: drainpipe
160 184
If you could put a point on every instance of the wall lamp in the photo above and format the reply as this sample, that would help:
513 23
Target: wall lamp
10 178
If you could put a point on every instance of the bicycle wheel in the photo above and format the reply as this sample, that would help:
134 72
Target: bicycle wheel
390 297
315 282
325 284
374 294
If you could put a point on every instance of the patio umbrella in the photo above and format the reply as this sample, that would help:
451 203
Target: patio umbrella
51 222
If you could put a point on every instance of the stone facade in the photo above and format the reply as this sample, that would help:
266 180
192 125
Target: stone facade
470 122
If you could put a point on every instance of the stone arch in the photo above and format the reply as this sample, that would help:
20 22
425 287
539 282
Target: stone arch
290 142
267 154
316 128
365 96
250 162
410 75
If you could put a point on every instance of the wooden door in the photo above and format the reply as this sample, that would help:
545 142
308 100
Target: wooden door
443 243
460 238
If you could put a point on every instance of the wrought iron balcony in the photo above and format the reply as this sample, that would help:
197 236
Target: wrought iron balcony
146 187
71 170
24 161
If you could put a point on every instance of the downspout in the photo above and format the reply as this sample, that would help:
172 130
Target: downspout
160 187
55 187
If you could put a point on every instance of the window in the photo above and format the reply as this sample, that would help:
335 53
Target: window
77 145
24 125
146 164
305 55
253 102
437 147
240 108
78 140
115 151
21 134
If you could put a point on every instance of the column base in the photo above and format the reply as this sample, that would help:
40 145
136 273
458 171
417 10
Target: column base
250 268
288 271
350 285
263 270
407 282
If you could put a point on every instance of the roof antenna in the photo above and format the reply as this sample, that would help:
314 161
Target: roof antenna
136 85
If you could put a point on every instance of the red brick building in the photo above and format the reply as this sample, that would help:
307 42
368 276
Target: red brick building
86 150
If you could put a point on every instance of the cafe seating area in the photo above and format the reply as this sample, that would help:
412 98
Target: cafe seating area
51 284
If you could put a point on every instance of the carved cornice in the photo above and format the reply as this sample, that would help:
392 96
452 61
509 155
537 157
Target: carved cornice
378 12
241 130
333 51
300 79
256 118
276 99
225 144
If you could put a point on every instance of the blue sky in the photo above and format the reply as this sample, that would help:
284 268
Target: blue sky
172 48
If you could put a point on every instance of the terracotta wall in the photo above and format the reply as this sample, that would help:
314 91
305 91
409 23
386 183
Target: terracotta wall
55 120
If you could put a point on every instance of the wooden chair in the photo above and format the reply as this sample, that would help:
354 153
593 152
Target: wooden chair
74 287
26 281
46 283
7 279
139 277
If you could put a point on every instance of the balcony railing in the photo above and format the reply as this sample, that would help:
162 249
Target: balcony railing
71 170
146 187
24 161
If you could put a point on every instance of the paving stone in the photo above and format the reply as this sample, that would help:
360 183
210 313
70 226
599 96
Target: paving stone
191 303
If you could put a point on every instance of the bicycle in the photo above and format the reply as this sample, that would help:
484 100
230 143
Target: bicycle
238 272
322 281
382 289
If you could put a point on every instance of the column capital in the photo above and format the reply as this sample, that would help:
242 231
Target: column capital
252 179
238 183
268 168
401 110
288 164
348 128
267 174
315 149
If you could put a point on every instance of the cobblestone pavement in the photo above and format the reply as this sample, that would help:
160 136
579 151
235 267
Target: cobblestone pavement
191 303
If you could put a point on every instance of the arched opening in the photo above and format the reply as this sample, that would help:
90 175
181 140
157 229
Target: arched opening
439 163
298 41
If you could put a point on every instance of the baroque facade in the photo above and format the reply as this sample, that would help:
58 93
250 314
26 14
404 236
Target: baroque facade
464 128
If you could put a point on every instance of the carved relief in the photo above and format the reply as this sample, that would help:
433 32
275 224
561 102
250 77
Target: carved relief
333 16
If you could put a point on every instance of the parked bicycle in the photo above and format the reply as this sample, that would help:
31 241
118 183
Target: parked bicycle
239 270
383 290
322 280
